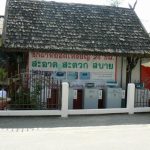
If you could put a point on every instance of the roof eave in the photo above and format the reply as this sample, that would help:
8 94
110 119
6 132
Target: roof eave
144 54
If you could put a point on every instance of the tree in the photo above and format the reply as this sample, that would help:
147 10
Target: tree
133 7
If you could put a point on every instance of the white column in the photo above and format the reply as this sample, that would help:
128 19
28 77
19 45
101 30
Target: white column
65 94
130 98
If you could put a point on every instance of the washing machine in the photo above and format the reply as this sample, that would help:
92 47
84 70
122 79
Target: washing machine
113 97
91 96
75 100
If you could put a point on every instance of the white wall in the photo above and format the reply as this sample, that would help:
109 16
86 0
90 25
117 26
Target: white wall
121 71
146 61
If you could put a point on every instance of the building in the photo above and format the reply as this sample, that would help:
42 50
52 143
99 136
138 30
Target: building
77 43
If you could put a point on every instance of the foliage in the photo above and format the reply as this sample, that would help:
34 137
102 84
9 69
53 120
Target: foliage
21 99
25 97
3 74
115 3
35 93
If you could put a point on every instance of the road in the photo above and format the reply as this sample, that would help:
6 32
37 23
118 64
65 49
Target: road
106 132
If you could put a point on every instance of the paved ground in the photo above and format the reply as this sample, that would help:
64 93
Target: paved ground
103 132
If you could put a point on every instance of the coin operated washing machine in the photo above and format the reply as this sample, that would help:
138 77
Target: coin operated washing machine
92 97
75 97
113 96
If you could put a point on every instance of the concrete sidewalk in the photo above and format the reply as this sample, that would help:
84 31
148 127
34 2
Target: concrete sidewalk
74 121
110 132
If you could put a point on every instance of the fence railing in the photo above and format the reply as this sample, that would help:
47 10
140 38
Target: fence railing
142 97
32 91
61 107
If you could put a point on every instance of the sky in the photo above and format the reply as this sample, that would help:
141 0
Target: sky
142 8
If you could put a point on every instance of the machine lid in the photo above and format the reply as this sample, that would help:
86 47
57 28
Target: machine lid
112 83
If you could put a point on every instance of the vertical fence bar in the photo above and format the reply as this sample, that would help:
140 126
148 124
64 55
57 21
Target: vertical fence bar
52 99
49 92
60 94
57 94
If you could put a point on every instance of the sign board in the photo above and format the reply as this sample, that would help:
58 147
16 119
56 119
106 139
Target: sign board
74 94
73 66
123 94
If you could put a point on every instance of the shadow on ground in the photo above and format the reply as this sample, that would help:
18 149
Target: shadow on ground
74 121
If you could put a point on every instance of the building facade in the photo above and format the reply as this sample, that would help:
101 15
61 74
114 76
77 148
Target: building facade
88 46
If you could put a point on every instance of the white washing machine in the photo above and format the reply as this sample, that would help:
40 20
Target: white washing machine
91 96
75 99
113 97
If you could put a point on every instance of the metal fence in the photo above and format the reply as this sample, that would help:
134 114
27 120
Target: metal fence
142 98
32 91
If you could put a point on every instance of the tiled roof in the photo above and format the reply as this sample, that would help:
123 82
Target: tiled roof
51 26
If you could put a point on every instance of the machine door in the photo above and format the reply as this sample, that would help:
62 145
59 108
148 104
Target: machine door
77 103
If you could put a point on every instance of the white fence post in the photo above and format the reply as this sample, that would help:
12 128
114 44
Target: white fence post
130 98
65 94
